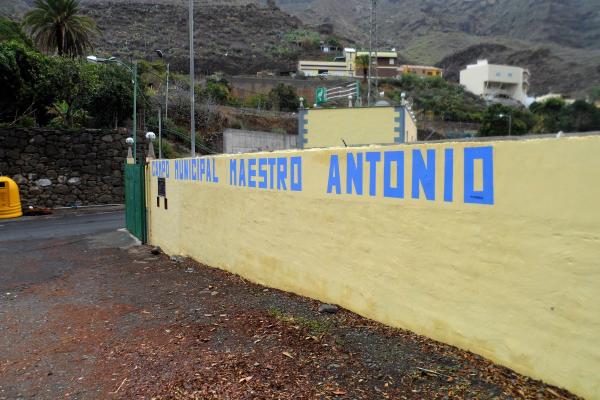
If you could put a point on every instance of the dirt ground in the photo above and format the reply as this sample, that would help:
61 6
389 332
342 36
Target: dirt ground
122 323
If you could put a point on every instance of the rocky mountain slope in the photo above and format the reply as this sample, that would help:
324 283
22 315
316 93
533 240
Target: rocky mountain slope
228 38
572 23
558 40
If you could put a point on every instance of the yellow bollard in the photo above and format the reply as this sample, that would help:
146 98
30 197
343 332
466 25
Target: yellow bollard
10 202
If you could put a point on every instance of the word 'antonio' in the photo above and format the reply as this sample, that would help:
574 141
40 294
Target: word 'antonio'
421 174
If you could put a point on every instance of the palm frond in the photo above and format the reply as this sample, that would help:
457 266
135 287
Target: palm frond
58 26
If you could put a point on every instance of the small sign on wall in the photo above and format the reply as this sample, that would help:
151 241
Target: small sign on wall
162 187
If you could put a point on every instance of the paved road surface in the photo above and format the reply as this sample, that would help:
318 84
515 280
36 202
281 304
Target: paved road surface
62 224
23 241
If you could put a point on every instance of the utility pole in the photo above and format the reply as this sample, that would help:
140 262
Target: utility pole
162 56
192 72
370 49
134 133
159 135
167 95
374 7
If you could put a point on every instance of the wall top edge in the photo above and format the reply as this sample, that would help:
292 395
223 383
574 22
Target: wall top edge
528 138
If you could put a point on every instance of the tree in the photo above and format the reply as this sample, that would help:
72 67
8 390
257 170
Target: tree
284 98
495 121
217 91
585 116
12 30
552 116
260 101
594 93
57 26
363 62
22 77
435 96
43 88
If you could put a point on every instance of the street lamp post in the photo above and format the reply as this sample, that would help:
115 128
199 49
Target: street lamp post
192 72
133 70
162 56
159 136
509 116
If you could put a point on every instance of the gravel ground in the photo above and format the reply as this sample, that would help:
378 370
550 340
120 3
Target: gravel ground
110 321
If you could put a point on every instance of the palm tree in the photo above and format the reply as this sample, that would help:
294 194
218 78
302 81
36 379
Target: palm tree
56 25
363 62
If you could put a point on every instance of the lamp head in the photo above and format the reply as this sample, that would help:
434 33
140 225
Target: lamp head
129 141
160 53
92 59
150 136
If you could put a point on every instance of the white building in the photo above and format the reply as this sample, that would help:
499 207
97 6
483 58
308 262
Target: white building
496 83
343 66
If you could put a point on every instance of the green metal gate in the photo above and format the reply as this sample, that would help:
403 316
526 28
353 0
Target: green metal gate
135 202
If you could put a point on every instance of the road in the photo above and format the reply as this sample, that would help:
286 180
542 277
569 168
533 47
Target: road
61 224
22 239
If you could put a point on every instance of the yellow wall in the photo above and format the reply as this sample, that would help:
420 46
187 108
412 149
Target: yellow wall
506 266
421 70
356 126
411 129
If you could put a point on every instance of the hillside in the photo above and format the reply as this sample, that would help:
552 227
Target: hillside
571 23
557 40
228 38
235 36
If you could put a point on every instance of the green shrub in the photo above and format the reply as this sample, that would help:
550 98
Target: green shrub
32 83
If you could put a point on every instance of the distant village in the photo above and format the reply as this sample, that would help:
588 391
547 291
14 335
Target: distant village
327 87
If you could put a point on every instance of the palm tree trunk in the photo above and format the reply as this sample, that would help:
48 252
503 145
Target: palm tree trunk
60 40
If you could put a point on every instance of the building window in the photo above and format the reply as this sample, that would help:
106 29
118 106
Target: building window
498 74
391 61
510 74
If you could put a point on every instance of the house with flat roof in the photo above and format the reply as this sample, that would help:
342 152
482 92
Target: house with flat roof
342 66
496 83
422 70
385 62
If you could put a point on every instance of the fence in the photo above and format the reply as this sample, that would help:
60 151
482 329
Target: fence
491 246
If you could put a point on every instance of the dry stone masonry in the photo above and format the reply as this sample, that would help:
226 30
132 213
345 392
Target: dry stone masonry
55 168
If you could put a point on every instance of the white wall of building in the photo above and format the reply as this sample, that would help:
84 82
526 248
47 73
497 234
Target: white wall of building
244 141
492 81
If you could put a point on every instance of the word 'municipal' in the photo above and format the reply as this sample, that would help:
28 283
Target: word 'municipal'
196 169
275 173
422 171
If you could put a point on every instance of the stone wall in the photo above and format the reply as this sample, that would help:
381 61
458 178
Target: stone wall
248 86
244 141
55 168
